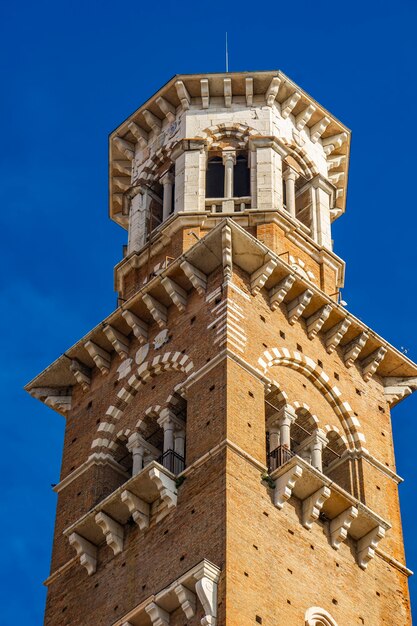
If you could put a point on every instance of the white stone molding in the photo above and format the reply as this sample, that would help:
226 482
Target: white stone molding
315 322
167 108
205 93
57 398
138 326
138 508
139 134
125 147
165 486
187 600
285 484
183 94
334 336
339 526
259 278
62 404
227 89
278 293
336 177
371 363
318 129
354 348
195 276
101 357
304 117
289 104
118 340
152 121
296 307
330 144
249 91
227 252
113 531
158 616
207 576
177 294
313 505
316 616
272 91
366 546
156 309
397 388
86 551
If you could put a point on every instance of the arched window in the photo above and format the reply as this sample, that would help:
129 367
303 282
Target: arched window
316 616
241 177
215 178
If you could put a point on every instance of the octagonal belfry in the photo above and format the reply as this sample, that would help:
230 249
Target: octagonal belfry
228 455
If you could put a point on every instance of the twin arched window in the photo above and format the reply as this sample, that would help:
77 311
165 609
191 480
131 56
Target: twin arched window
216 177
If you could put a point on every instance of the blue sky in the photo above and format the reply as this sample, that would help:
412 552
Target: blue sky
71 72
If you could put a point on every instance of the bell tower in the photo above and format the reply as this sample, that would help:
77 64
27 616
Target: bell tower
228 455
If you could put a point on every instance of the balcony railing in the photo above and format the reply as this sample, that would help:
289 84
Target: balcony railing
172 461
231 205
278 457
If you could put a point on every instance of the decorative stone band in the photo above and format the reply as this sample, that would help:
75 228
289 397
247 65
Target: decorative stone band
200 583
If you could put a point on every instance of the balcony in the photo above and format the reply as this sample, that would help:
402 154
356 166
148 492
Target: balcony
147 497
230 205
320 496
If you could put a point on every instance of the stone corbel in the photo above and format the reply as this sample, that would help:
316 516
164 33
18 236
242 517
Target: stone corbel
315 322
101 357
227 252
272 91
313 505
183 94
82 374
278 293
340 525
366 546
58 398
318 129
152 121
285 484
125 147
259 278
205 93
197 278
165 486
139 327
177 294
118 340
187 599
304 117
249 91
159 617
62 404
330 144
138 508
289 104
372 362
334 336
167 108
113 531
296 307
139 134
206 588
156 309
86 551
227 90
396 388
354 348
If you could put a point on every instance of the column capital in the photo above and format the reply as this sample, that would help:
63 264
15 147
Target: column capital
320 182
168 418
284 417
136 441
167 179
316 439
290 174
229 155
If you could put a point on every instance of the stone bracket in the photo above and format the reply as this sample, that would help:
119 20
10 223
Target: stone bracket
354 348
177 294
366 546
159 617
197 278
227 252
278 293
139 327
187 599
289 104
138 508
372 362
285 484
165 486
86 551
334 336
118 340
339 526
156 309
113 531
296 307
259 278
315 322
396 388
82 374
101 357
312 506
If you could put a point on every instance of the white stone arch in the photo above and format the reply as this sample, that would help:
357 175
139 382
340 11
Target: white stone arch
316 616
310 369
167 361
240 133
